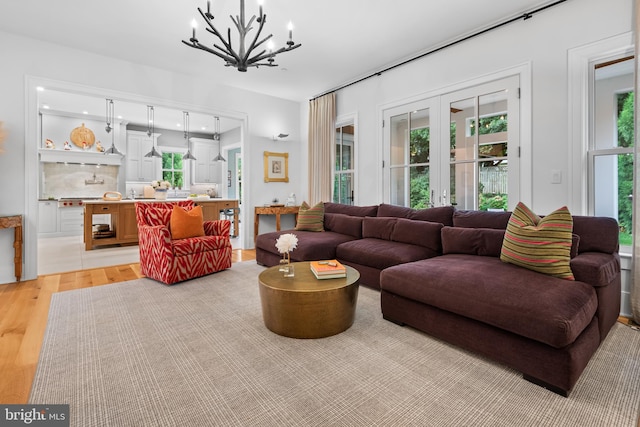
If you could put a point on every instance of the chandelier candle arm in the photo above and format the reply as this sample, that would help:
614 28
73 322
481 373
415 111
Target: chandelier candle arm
245 57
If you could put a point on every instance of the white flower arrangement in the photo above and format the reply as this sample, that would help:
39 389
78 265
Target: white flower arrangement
286 243
160 185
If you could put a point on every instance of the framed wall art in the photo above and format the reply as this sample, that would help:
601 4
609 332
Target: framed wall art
276 167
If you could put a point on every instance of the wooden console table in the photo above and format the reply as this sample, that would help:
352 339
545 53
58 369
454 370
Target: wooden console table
272 210
15 222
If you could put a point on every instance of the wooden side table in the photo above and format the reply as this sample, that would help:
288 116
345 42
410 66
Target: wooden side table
272 210
15 222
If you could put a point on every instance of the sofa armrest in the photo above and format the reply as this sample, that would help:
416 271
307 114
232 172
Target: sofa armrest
220 227
596 268
156 238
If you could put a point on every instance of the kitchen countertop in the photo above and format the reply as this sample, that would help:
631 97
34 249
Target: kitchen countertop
216 199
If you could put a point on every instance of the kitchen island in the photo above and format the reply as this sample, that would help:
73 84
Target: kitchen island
123 227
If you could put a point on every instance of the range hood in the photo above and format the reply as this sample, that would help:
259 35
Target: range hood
81 157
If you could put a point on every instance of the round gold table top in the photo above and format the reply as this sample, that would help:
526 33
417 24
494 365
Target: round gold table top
305 307
304 280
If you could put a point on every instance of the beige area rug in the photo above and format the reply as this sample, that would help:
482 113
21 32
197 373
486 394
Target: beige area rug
198 354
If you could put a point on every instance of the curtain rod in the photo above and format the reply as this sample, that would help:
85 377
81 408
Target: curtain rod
524 17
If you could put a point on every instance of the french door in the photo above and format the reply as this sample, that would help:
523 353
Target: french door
459 148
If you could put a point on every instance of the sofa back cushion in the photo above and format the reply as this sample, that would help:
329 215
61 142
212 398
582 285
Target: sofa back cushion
340 208
443 214
378 227
481 219
419 233
343 224
472 241
597 234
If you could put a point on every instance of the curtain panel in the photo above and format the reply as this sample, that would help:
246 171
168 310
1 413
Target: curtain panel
322 129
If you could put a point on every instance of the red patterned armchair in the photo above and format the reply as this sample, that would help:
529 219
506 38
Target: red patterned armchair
171 261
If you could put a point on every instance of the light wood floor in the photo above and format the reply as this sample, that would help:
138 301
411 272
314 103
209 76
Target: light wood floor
24 308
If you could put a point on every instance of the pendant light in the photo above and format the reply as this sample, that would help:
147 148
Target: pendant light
109 129
188 155
151 127
216 137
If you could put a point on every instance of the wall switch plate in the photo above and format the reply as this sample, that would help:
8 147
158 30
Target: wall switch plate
556 176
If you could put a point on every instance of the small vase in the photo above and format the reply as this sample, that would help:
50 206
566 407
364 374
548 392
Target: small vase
289 270
161 194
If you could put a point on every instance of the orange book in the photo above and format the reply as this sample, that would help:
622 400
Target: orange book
332 266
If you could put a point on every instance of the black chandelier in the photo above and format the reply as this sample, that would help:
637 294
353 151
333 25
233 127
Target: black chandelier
254 55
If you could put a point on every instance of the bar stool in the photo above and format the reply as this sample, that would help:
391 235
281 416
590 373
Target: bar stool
230 214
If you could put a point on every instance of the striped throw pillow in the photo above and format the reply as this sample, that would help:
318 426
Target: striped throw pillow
539 244
310 219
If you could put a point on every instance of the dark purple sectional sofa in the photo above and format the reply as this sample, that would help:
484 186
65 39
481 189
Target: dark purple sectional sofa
439 270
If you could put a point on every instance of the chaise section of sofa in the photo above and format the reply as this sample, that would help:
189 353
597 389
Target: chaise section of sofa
546 327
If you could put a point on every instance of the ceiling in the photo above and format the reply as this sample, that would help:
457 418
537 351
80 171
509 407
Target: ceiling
342 40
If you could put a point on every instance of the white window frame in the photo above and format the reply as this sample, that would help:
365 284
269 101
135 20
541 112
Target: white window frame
346 120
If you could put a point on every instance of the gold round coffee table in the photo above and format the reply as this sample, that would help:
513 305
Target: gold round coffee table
305 307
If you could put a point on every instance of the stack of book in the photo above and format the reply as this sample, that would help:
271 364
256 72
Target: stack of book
330 269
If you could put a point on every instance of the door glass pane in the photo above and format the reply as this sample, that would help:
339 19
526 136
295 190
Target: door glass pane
463 115
399 135
419 141
420 190
462 186
398 187
492 186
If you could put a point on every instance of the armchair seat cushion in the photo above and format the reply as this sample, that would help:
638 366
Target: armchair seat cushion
194 245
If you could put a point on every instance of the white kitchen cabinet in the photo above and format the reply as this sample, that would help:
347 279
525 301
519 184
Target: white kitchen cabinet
139 167
47 216
71 221
205 170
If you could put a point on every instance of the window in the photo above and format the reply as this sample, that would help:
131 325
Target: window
610 153
172 169
344 170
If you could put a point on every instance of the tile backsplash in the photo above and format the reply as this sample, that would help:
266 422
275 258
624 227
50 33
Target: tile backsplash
69 180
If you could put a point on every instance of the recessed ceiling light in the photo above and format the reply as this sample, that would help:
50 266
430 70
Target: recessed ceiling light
177 124
119 117
45 106
39 88
85 112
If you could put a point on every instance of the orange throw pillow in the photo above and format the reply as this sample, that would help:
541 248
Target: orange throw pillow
185 224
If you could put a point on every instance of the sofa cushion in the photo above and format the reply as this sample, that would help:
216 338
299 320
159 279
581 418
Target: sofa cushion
350 209
443 214
345 224
421 233
310 218
541 307
311 245
472 241
597 234
378 227
381 254
539 244
595 268
184 224
481 219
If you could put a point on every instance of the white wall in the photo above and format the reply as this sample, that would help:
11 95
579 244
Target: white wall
542 41
27 60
